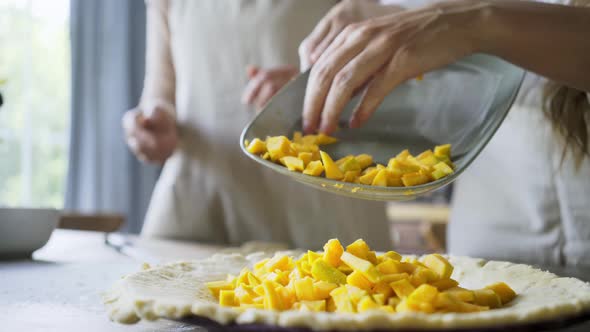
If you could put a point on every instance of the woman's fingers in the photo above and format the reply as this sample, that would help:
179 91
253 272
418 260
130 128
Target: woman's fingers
344 48
350 79
309 44
266 83
253 87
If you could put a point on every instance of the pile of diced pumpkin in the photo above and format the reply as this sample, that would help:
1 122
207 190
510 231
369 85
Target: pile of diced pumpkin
303 154
355 279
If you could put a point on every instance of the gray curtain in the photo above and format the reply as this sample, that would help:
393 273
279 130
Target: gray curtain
108 45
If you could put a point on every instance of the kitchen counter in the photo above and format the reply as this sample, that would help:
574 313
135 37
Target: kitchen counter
59 290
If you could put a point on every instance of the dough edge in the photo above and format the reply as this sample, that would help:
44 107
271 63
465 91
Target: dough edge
566 297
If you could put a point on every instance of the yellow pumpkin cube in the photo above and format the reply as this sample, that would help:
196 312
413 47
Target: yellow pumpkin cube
278 147
389 266
332 252
256 146
227 298
316 306
357 279
414 179
279 262
351 176
323 139
380 178
439 265
383 288
272 299
424 293
359 248
369 177
309 140
306 157
443 150
293 163
332 171
487 298
314 168
350 164
445 284
363 266
364 160
402 288
389 278
216 286
322 289
403 155
393 255
504 291
304 289
367 303
462 294
321 270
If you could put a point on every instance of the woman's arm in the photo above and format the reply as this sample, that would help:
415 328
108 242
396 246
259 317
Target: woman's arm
150 129
160 79
377 55
551 40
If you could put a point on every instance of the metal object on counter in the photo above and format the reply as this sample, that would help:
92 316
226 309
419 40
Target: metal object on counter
462 104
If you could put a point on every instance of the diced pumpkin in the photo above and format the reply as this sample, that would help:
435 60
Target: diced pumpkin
216 286
487 298
293 163
312 256
462 294
279 262
322 289
380 179
389 278
304 289
504 291
332 171
342 160
272 299
278 147
363 266
305 157
403 155
364 160
314 168
424 293
383 288
445 284
443 150
439 265
393 179
227 298
379 299
323 139
357 279
316 306
389 266
369 177
351 176
367 303
257 146
309 140
332 252
402 288
402 166
393 255
414 179
351 164
321 270
372 257
359 248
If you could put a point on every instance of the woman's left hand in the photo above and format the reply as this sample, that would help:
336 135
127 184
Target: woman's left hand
265 83
379 54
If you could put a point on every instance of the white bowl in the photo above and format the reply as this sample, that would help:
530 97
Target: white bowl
23 231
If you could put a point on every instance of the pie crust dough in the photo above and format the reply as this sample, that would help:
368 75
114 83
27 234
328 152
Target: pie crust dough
178 290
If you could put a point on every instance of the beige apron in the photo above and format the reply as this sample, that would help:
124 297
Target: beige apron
209 191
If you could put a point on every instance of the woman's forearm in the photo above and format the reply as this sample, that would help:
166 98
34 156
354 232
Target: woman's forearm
551 40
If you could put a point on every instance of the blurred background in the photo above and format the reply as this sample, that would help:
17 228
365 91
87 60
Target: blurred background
72 69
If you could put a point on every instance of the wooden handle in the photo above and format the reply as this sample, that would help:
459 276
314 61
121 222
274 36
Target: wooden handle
91 222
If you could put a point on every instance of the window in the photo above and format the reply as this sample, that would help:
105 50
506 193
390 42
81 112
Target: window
35 84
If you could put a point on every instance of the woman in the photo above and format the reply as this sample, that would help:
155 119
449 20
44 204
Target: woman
527 196
190 117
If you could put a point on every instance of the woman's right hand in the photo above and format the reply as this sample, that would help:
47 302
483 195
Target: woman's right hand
338 18
151 132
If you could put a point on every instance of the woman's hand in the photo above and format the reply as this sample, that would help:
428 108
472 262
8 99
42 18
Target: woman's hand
343 14
265 83
151 132
379 54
